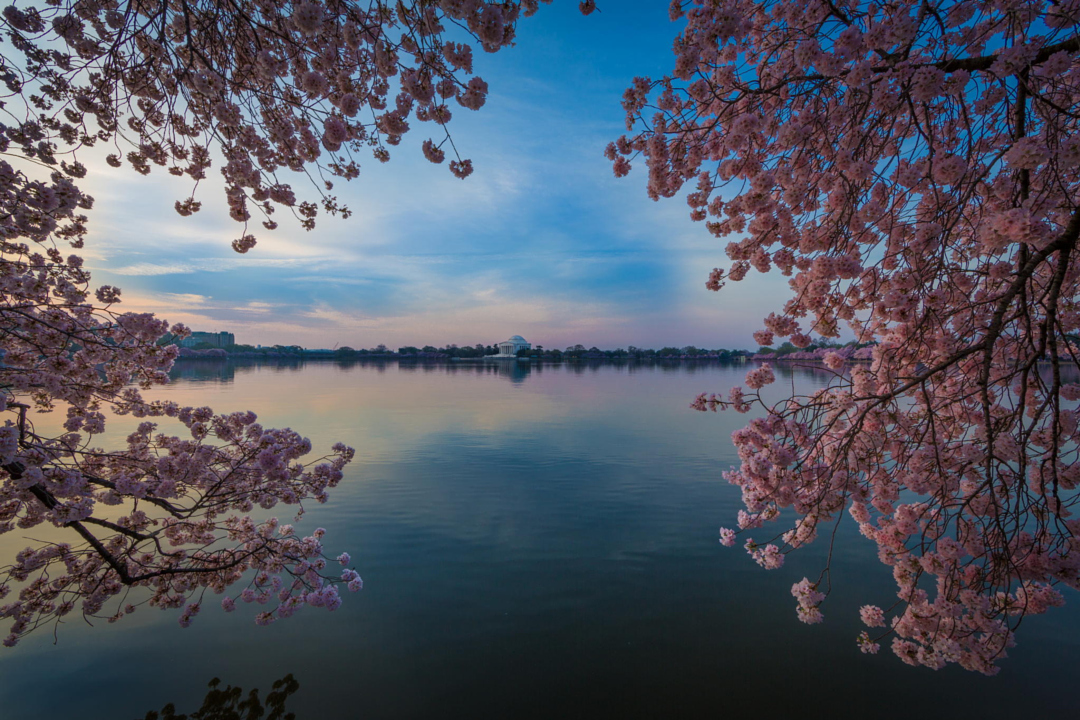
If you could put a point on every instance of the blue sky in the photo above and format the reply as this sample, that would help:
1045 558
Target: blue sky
542 240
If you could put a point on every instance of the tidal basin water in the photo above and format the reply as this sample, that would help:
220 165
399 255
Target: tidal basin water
535 542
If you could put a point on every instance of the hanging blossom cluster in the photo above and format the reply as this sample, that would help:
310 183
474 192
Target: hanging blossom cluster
267 86
164 519
914 168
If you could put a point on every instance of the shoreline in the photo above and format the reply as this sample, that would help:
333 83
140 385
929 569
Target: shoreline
205 356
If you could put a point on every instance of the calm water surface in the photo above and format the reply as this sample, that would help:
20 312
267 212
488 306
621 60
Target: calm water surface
535 542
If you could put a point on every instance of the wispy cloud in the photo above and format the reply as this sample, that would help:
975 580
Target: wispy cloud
207 265
542 240
330 280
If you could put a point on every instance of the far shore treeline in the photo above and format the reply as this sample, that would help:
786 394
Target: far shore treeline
479 351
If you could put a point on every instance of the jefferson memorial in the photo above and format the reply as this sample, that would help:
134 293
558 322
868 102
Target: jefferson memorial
509 348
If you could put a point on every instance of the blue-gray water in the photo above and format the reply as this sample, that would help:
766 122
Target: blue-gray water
535 542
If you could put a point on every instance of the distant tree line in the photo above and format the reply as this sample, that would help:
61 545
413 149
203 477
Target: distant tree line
539 352
580 352
450 351
479 350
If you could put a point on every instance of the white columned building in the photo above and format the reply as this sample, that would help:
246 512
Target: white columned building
509 348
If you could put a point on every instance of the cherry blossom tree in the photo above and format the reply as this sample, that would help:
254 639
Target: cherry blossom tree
913 168
261 87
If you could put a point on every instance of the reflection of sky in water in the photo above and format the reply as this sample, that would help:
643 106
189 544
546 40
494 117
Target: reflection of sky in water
536 541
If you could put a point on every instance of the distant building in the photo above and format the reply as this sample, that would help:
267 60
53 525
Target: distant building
509 348
214 339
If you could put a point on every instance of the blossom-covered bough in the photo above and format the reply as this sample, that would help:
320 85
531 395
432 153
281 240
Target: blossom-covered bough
264 86
913 168
272 86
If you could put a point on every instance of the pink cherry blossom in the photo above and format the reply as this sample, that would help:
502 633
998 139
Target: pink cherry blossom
912 168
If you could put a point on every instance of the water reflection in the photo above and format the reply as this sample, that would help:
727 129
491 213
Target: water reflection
225 370
231 703
512 370
537 541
